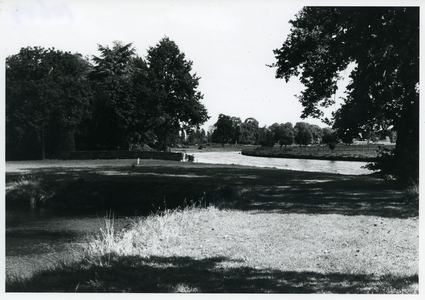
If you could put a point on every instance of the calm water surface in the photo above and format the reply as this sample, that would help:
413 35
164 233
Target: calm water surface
309 165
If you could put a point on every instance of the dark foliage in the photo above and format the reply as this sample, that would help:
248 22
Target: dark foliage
57 101
383 44
47 97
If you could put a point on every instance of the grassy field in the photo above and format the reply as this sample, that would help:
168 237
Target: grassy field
254 230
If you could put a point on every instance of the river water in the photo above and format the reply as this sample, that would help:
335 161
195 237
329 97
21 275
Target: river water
309 165
35 237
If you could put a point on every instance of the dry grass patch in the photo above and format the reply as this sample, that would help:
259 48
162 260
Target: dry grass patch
296 242
208 250
382 249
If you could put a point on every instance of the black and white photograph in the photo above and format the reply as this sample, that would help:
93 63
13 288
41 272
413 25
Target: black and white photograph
223 148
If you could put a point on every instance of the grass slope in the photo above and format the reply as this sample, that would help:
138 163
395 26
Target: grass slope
210 250
278 232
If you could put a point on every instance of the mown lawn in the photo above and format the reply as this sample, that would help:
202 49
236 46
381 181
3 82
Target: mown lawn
256 230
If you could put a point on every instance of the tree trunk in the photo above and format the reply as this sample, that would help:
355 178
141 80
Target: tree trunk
164 146
42 145
406 154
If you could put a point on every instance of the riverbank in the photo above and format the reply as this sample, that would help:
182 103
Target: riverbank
232 242
317 156
122 186
359 153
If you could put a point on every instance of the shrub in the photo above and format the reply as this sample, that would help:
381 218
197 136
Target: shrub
388 168
411 196
26 190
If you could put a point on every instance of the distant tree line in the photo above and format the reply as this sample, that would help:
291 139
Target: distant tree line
231 130
58 101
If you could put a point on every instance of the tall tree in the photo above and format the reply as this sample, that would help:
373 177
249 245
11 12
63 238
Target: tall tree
383 43
266 137
196 136
249 131
303 135
47 95
223 132
287 134
174 90
121 103
236 129
317 133
330 138
276 131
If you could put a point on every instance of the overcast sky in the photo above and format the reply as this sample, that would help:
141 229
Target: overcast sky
229 42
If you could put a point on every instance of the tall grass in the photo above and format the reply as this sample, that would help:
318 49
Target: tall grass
156 234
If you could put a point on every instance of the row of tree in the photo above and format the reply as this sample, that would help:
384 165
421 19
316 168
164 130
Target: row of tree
229 129
59 101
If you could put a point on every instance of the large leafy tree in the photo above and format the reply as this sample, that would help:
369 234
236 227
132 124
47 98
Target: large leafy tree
223 132
196 136
303 134
227 129
266 137
287 134
249 131
317 133
47 97
120 109
383 44
174 91
276 130
330 138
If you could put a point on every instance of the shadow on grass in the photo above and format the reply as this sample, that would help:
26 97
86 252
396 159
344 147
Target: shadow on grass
184 274
30 241
140 190
362 196
143 189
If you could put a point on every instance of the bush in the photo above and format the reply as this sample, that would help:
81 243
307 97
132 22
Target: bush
411 196
26 190
384 163
389 169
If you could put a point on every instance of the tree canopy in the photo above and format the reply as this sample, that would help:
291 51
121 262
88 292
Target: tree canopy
47 96
115 116
249 131
224 130
303 134
287 134
174 88
383 43
62 101
329 138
